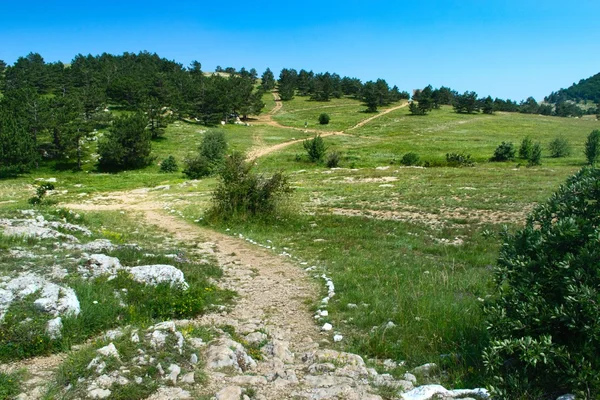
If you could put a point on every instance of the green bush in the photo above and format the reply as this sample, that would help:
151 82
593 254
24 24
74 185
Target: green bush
315 148
323 119
592 147
535 158
40 193
459 160
333 160
242 194
169 165
209 157
545 322
213 146
504 152
127 145
410 159
525 149
559 147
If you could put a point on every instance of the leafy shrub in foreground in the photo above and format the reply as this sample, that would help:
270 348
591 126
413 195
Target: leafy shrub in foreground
559 147
410 159
315 148
459 160
504 152
324 119
40 193
333 160
545 322
242 194
169 165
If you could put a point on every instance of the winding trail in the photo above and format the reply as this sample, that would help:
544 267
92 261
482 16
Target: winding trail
267 119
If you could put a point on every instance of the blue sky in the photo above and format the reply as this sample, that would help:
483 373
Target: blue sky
509 49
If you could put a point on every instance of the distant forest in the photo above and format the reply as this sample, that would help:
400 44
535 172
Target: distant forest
584 91
47 110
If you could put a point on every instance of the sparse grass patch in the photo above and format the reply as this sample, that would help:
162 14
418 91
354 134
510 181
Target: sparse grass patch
10 385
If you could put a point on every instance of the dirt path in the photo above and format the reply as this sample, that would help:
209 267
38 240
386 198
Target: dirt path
262 151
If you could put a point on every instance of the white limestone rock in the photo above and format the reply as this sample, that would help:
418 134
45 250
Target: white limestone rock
157 274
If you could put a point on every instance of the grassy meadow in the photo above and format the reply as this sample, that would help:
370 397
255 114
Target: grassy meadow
412 246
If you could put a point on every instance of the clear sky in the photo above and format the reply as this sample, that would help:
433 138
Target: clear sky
503 48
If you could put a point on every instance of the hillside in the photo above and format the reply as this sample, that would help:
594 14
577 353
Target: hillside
367 282
586 90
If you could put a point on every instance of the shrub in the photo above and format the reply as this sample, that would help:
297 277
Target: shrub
323 119
592 147
535 157
213 146
243 194
416 110
525 149
315 148
410 159
504 152
40 193
197 166
559 147
127 145
459 160
209 157
169 165
333 160
545 321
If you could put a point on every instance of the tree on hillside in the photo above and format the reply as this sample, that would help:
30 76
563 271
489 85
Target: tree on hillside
157 118
369 95
529 106
351 86
592 147
2 73
17 149
322 87
466 103
127 145
443 96
287 83
267 80
487 105
425 101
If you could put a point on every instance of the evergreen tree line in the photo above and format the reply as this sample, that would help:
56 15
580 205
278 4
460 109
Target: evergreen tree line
325 86
429 98
584 91
48 109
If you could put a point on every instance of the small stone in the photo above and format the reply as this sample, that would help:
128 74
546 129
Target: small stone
410 377
138 380
338 338
425 369
108 351
229 393
99 393
54 328
390 324
174 371
352 305
327 327
194 359
188 378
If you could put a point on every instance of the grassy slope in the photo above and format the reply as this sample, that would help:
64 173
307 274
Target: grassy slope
402 270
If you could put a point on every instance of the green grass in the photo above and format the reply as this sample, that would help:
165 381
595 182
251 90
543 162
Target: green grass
344 113
102 300
10 385
401 268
